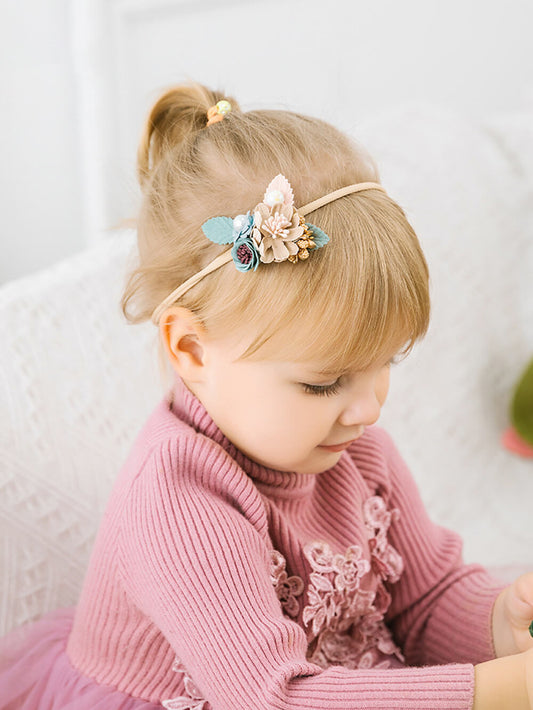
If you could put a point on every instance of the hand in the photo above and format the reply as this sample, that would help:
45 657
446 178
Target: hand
512 616
505 683
528 662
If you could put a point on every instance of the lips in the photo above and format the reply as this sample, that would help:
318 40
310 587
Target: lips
343 445
337 447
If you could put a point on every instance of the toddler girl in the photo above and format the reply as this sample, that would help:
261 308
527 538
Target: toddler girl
265 545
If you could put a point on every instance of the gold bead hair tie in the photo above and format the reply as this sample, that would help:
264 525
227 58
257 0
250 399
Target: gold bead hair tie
218 111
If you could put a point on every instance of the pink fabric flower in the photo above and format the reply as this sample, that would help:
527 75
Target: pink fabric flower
193 700
275 231
287 588
277 224
346 620
376 513
320 556
386 561
350 568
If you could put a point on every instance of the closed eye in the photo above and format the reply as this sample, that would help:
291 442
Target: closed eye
322 390
335 387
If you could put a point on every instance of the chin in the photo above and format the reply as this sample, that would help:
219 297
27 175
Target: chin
314 468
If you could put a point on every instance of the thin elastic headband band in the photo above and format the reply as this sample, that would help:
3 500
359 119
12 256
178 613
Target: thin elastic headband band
226 257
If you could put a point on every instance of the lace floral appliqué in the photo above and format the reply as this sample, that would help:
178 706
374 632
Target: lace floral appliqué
287 588
193 700
386 561
346 607
345 613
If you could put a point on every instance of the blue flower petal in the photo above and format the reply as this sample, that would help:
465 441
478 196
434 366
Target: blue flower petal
246 228
219 230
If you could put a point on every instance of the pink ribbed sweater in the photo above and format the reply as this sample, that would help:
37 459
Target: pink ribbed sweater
271 587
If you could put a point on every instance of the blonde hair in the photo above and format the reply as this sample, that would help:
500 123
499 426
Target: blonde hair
363 295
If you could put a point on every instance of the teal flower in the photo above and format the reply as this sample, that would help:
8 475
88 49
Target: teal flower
245 254
242 225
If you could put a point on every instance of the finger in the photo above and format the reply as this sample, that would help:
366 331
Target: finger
520 597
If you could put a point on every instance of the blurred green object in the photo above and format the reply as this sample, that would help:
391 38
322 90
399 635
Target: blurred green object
522 406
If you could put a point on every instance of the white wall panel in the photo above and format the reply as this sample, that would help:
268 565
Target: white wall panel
78 78
342 60
40 195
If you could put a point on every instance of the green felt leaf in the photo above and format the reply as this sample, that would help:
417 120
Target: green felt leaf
320 238
219 230
522 405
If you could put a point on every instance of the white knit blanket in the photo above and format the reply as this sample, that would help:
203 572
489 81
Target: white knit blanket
76 382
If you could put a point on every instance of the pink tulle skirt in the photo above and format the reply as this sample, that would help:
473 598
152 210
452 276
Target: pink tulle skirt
36 674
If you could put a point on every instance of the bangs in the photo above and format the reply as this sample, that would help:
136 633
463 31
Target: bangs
375 306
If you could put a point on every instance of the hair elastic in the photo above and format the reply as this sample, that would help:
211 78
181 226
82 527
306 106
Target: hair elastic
217 112
275 231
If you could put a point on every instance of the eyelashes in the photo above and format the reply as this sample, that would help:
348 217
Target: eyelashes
335 387
323 390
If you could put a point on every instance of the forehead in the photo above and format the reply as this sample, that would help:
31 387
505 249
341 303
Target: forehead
345 366
332 332
339 342
321 354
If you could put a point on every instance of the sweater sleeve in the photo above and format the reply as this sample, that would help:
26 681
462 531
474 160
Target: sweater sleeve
200 570
442 609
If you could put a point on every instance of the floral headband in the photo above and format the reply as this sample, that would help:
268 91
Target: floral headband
274 231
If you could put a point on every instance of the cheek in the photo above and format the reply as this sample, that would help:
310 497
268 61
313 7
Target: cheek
285 412
294 422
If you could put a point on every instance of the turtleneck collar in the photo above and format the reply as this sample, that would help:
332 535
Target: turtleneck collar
187 407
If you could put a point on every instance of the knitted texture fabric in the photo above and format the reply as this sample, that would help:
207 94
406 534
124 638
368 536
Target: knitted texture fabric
218 583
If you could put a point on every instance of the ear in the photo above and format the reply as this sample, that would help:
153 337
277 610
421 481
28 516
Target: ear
183 337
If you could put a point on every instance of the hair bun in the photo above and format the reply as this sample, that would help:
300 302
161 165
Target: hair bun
179 113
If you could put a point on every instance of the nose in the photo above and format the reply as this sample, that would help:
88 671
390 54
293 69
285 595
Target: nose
363 407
